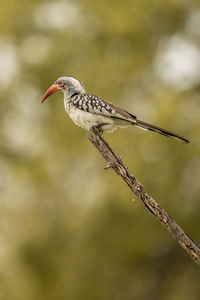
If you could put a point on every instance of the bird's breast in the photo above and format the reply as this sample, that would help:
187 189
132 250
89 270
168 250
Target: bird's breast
86 120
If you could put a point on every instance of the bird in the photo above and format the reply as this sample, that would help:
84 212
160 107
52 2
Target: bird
89 111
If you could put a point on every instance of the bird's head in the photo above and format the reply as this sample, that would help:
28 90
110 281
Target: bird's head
69 85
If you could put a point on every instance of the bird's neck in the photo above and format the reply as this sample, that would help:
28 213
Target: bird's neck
68 96
68 99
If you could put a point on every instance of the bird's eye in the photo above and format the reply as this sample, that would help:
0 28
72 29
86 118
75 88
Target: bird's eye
61 83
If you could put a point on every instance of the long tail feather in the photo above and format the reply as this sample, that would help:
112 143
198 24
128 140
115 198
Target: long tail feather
164 132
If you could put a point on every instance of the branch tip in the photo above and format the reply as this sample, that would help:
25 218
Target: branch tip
137 188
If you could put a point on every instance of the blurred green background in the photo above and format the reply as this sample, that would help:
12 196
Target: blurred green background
68 229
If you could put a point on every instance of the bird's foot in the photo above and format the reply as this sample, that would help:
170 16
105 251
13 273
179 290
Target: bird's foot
98 128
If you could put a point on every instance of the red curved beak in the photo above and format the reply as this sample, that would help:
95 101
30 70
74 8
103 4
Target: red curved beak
54 88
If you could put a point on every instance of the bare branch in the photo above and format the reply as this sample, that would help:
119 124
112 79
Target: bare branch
118 166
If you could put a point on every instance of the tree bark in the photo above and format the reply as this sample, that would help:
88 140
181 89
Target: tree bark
156 210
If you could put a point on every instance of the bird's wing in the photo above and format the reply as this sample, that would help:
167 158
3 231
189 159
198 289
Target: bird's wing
97 105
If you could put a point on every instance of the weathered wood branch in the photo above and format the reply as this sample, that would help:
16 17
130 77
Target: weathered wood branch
118 166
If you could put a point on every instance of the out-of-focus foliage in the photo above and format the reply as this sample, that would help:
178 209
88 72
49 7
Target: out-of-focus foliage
68 230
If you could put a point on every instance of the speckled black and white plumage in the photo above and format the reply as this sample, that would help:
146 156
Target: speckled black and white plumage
91 103
97 105
87 110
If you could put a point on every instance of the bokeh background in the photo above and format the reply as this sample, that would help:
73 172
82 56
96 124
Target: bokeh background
68 229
